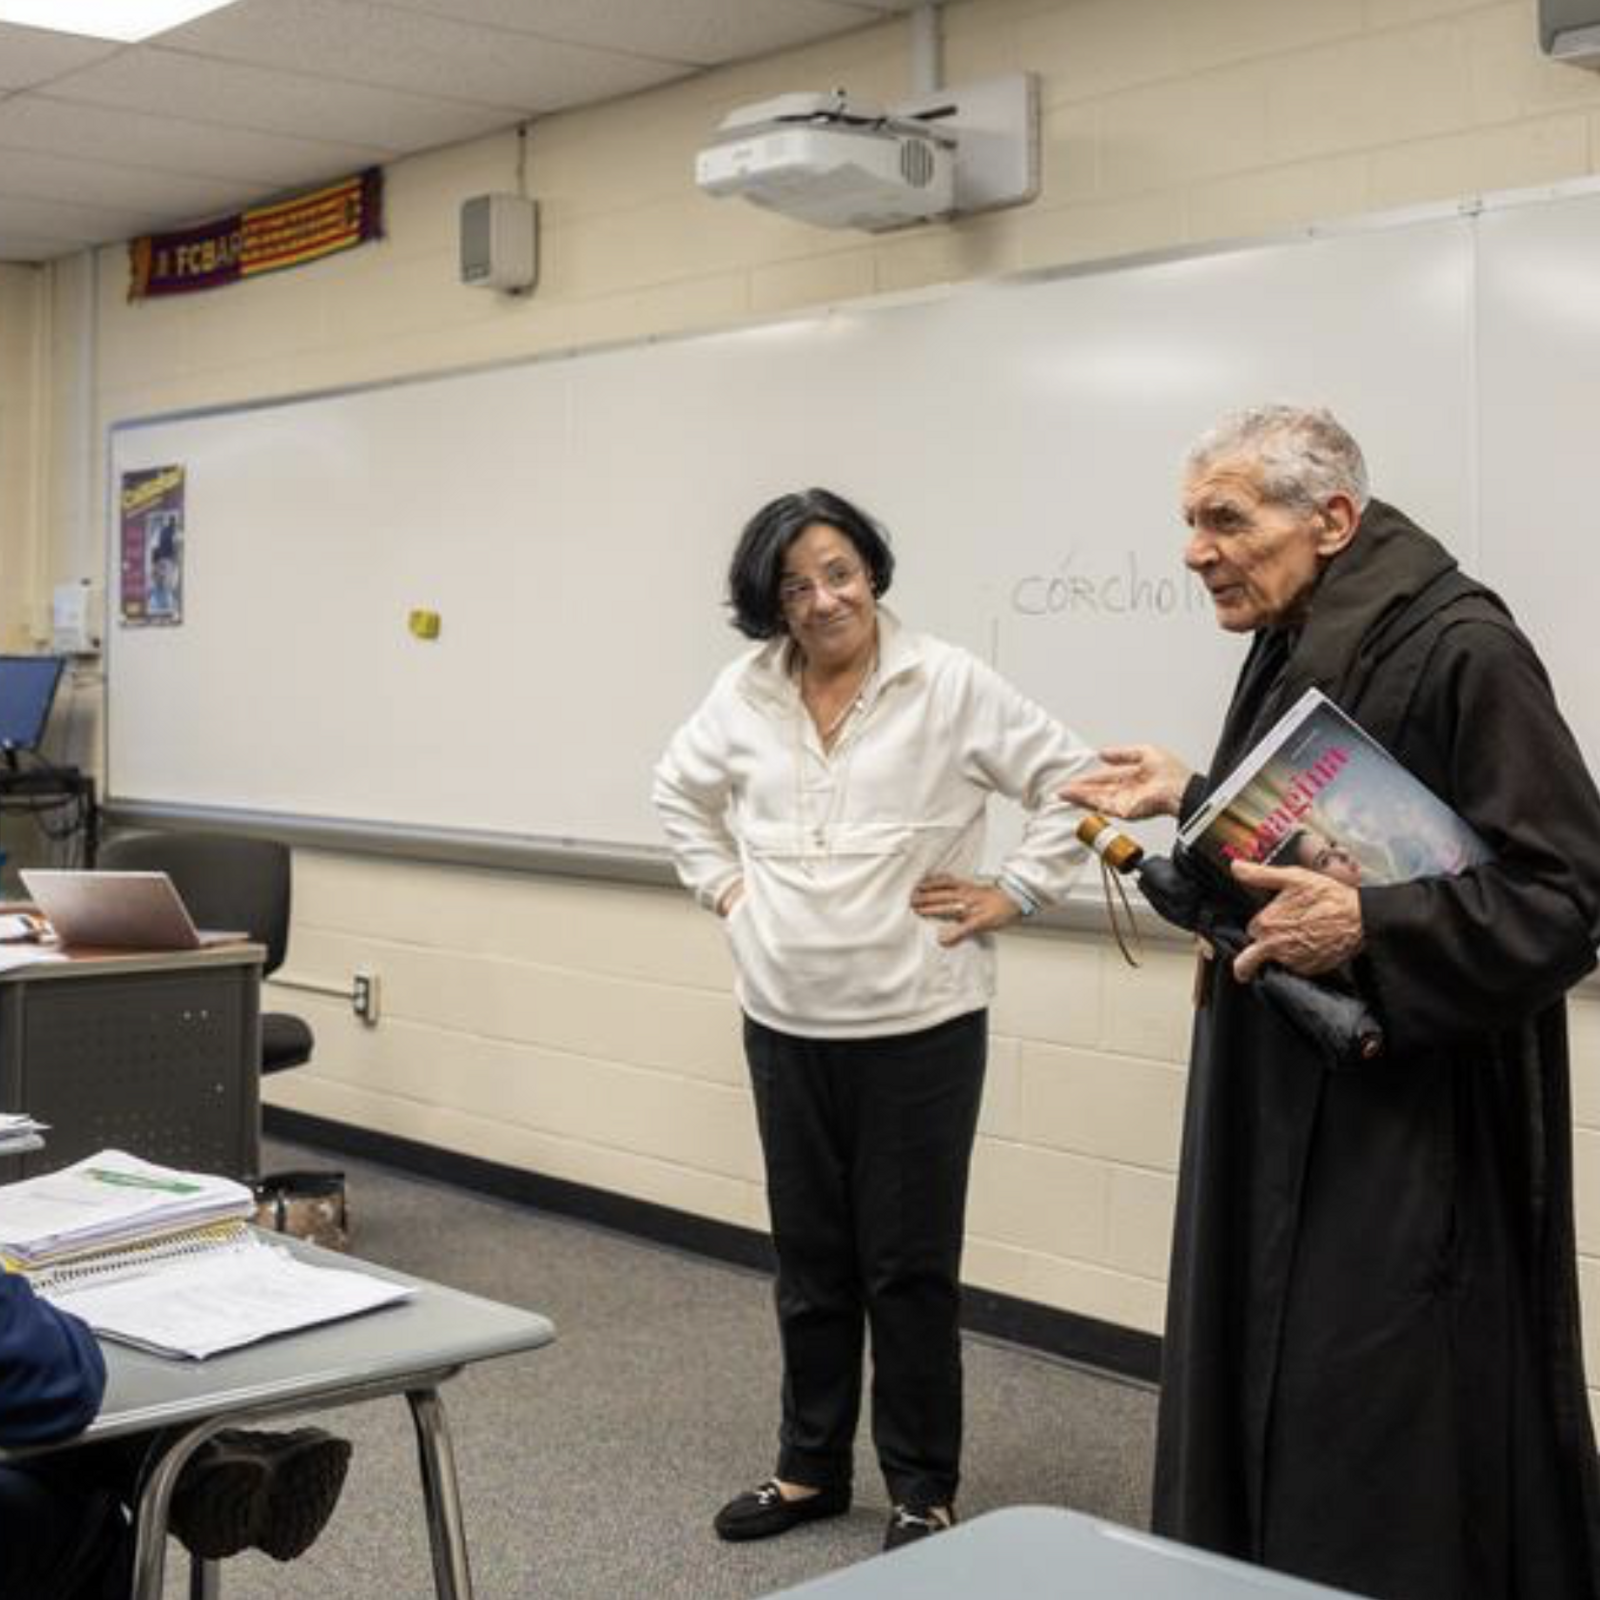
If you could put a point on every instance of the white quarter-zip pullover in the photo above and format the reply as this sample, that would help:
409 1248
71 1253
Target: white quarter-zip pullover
830 844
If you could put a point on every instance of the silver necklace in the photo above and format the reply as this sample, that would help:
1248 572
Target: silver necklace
814 840
849 708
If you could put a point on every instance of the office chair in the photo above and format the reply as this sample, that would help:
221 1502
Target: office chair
228 881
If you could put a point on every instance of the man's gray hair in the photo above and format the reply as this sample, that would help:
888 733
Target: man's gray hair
1305 454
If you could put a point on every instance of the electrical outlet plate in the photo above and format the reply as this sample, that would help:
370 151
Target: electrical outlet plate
364 995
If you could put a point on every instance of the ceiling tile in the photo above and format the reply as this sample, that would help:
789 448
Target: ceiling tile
159 81
35 55
19 246
361 42
75 180
74 225
239 155
706 32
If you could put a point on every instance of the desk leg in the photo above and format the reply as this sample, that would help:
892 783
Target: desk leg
452 1577
150 1522
205 1579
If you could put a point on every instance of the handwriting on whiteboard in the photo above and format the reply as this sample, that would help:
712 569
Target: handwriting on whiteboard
1110 586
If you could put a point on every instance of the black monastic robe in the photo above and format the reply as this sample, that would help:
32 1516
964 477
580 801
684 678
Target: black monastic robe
1372 1369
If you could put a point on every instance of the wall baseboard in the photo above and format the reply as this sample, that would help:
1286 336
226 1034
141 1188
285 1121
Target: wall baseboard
1125 1352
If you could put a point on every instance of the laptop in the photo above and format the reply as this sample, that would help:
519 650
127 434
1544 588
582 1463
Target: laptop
117 910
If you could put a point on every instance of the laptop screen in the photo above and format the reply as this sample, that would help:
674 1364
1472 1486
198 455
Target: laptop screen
27 690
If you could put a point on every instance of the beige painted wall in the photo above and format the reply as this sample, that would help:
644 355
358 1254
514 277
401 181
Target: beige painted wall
587 1031
24 385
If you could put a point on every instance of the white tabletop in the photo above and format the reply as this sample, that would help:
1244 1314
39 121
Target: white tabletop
1043 1553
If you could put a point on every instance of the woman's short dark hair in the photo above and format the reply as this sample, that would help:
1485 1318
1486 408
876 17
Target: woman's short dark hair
757 566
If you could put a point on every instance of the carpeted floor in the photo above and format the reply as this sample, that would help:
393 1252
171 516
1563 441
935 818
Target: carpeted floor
590 1470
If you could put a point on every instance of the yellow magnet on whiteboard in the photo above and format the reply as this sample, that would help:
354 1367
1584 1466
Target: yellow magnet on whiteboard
425 624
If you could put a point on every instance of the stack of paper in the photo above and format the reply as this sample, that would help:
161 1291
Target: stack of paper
218 1299
107 1201
19 1133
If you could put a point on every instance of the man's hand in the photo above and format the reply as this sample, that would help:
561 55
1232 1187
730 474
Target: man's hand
1311 925
1137 780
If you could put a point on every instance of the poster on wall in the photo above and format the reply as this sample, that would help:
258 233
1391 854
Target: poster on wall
152 547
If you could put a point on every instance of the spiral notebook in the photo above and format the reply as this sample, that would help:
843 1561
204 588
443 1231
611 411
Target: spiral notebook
213 1289
68 1273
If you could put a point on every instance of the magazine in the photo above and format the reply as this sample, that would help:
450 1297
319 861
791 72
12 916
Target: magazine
1319 792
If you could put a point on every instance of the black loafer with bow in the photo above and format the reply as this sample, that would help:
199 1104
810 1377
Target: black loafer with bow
912 1522
762 1512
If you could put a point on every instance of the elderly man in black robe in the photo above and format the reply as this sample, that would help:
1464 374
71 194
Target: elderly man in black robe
1372 1370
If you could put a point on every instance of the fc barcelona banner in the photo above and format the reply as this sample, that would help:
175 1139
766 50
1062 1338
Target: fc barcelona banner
265 239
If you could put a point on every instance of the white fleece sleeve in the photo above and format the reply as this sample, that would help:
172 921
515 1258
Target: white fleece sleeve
691 793
1019 750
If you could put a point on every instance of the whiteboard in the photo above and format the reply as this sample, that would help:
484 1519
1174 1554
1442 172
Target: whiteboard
571 520
1539 383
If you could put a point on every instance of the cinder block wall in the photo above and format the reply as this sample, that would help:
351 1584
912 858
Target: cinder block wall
587 1031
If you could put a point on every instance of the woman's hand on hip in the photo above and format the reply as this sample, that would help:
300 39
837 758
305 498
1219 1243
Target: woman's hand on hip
730 897
967 906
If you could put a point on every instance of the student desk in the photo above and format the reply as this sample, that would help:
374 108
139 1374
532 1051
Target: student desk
156 1054
1041 1553
409 1348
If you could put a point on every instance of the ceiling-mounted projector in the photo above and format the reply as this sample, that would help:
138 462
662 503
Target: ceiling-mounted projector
828 160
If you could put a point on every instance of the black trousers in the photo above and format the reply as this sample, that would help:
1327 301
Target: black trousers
868 1143
64 1533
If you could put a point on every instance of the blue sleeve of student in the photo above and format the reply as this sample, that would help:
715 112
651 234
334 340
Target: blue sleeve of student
52 1374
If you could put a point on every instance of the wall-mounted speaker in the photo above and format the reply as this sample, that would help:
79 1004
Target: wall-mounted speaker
499 242
1569 30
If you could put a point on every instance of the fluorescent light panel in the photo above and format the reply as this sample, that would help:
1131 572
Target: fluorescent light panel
127 20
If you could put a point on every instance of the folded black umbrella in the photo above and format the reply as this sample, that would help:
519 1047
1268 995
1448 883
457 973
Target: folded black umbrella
1341 1024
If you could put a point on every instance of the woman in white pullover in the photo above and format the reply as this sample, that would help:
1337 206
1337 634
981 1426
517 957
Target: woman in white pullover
827 800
